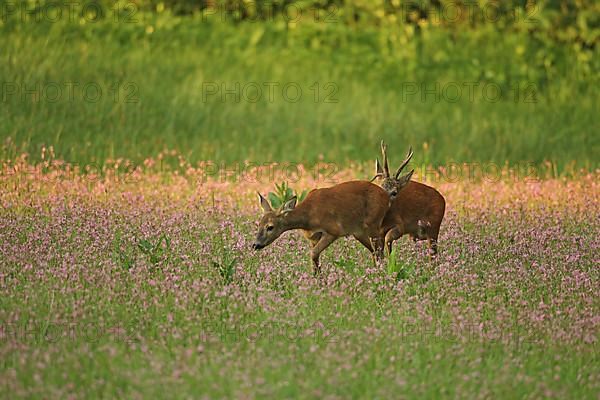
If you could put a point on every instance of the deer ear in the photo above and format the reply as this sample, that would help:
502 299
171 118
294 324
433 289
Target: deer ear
289 205
264 203
404 179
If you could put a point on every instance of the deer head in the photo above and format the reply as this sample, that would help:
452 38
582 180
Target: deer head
392 184
273 222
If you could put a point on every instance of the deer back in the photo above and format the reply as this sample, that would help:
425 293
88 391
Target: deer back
416 201
349 208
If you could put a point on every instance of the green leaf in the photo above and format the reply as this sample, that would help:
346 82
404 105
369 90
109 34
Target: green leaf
302 195
274 200
145 246
288 193
392 265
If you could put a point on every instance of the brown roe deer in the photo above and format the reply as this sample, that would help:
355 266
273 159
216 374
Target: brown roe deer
416 209
354 208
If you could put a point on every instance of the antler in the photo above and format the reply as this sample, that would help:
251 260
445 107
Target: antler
378 171
406 160
386 169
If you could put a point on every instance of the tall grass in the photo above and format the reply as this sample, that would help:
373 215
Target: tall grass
155 76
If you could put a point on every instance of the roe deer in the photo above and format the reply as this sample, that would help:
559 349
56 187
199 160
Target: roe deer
416 209
355 208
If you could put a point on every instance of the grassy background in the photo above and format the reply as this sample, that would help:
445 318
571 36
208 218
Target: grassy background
546 110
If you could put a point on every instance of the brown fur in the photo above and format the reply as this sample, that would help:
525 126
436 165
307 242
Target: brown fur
417 210
354 208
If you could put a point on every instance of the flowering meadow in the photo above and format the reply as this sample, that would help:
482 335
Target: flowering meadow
143 284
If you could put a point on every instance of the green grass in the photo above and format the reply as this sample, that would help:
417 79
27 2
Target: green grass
106 331
155 294
368 72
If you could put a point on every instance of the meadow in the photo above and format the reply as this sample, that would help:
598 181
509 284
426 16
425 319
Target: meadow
133 143
144 284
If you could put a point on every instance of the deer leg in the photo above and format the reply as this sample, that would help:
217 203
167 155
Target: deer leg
433 243
313 237
313 243
324 241
432 236
391 236
377 245
375 234
433 246
424 230
366 241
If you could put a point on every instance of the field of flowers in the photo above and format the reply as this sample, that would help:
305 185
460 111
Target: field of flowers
144 284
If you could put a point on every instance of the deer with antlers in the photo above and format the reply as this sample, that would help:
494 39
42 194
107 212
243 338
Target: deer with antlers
416 209
355 208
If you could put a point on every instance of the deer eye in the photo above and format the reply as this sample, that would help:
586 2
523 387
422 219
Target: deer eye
270 228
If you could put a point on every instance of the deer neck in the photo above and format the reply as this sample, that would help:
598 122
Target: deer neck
296 219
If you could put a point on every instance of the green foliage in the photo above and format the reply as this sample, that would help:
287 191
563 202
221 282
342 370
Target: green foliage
123 254
225 258
226 270
284 193
157 252
355 76
225 265
399 270
575 22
